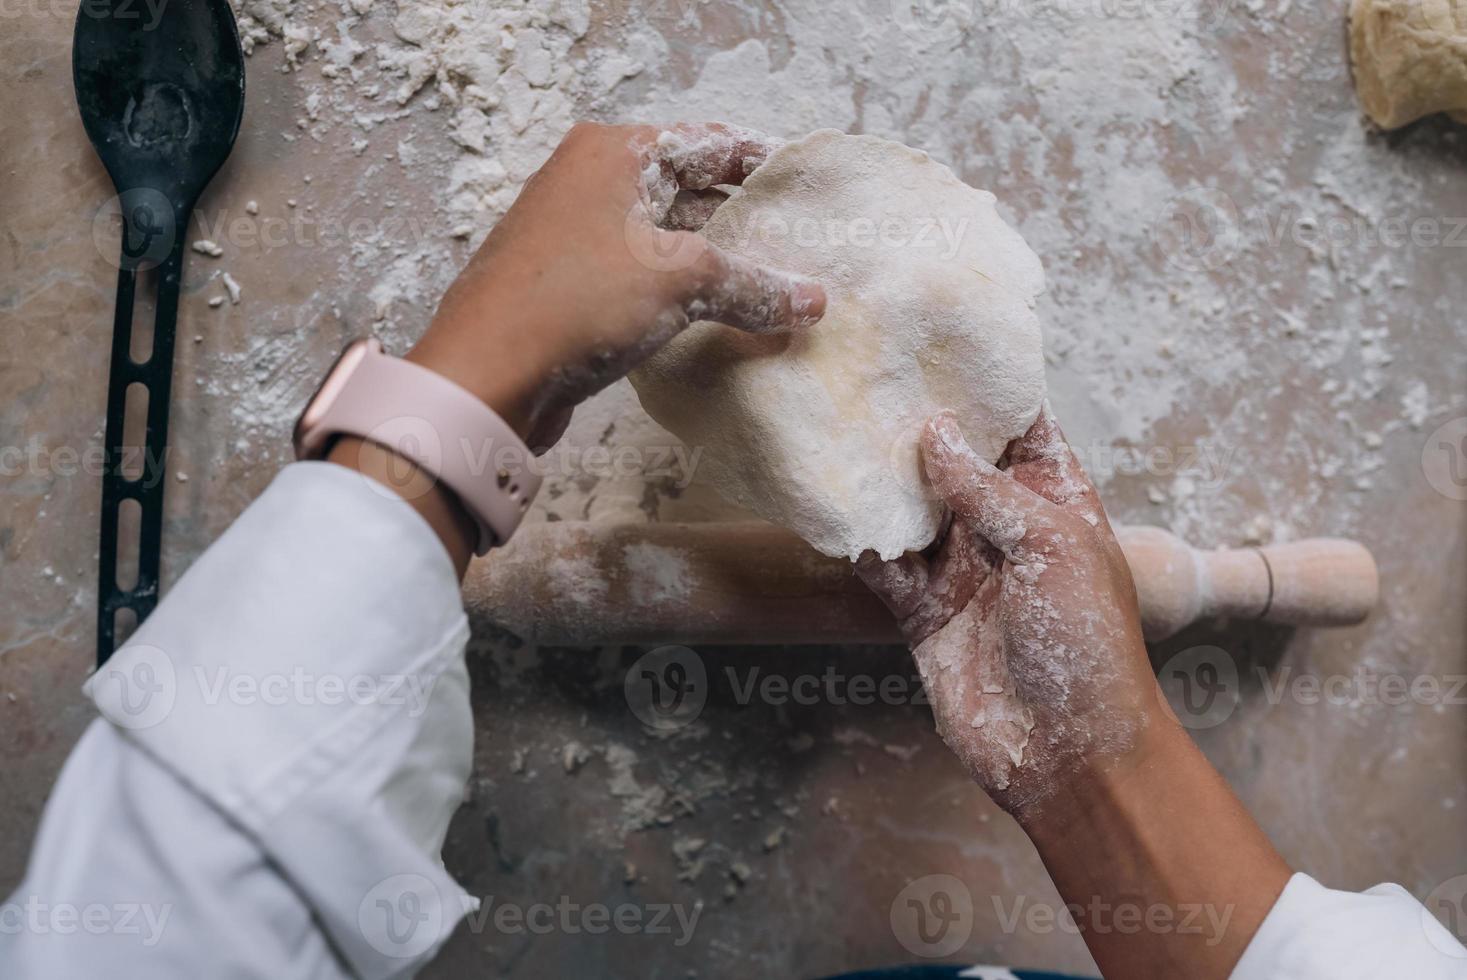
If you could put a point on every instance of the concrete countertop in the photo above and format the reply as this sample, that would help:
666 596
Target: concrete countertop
1293 369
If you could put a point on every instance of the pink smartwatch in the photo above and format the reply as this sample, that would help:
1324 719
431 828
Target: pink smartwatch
431 421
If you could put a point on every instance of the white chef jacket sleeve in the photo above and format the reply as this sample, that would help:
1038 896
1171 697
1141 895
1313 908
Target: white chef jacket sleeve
283 744
1316 933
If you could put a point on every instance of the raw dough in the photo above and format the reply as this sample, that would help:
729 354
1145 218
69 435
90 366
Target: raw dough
1410 58
931 301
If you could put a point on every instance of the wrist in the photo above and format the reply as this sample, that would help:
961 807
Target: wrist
507 384
424 429
444 512
1157 829
1108 781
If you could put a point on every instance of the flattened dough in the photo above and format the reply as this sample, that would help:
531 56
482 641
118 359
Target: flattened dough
931 300
1410 59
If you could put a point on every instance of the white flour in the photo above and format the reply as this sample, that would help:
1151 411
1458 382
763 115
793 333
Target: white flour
1093 159
1215 249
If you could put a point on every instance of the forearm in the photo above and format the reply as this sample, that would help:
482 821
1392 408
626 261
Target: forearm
1165 871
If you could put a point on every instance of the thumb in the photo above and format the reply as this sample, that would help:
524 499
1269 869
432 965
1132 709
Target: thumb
734 290
1007 514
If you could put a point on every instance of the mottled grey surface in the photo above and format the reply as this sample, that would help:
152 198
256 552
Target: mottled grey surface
1309 353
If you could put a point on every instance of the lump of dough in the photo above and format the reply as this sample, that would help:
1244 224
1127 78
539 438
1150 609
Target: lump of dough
930 306
1410 59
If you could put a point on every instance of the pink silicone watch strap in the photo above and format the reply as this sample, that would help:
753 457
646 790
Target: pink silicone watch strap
441 427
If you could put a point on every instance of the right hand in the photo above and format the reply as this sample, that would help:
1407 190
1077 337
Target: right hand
1024 621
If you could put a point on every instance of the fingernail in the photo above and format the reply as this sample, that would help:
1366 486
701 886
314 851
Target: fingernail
945 424
950 436
807 303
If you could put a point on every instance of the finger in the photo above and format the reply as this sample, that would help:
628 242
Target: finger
954 574
691 210
743 294
900 583
1043 461
962 562
1004 512
702 155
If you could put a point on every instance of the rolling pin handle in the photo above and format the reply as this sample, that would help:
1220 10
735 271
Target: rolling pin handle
1321 582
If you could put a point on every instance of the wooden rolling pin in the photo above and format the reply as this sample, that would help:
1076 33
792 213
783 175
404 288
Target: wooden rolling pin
750 583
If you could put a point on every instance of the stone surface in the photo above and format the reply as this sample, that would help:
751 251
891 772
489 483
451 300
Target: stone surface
1289 385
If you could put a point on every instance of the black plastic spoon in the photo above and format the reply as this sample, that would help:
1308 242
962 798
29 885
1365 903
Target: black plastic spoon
160 87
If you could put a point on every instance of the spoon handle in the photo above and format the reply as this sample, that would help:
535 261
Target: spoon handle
155 375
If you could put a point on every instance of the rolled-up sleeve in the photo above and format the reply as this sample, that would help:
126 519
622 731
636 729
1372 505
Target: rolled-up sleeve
282 746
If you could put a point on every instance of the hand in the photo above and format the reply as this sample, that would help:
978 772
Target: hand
1024 621
1025 627
596 266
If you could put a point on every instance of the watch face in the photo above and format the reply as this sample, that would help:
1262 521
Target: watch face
308 436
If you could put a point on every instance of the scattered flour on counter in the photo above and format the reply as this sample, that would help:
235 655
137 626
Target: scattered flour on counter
1267 348
1416 404
660 574
1113 135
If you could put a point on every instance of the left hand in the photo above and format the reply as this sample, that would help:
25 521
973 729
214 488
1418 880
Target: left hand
597 265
